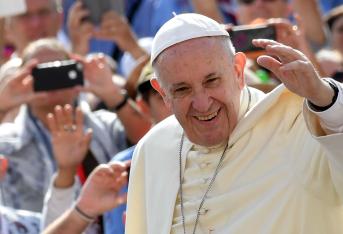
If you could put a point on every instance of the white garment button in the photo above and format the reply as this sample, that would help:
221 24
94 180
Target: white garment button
204 165
204 211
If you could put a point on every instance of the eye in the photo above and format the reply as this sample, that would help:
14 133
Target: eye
181 91
212 82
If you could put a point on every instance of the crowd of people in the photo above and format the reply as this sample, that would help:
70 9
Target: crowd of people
173 130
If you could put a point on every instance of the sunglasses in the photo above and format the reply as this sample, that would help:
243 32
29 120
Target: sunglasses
248 2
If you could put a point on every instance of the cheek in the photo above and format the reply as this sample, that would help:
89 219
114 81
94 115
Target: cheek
180 108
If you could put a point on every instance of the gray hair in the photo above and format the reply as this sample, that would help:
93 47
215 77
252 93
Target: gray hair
46 43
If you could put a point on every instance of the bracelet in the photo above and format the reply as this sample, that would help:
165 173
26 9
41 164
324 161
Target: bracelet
334 98
83 215
122 103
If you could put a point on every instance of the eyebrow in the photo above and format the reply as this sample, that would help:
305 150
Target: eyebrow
211 75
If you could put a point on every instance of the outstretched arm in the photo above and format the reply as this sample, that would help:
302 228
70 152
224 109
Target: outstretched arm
99 194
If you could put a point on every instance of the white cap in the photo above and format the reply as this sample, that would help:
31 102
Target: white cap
184 27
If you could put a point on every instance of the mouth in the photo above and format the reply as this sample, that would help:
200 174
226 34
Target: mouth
207 117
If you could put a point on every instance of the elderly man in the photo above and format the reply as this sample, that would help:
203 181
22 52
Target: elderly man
27 141
232 160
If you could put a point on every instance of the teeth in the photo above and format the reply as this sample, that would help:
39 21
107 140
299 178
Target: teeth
208 117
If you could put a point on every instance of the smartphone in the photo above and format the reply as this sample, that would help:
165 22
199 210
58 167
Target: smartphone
98 7
242 36
57 75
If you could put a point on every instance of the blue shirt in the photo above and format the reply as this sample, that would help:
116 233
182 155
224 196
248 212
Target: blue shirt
113 220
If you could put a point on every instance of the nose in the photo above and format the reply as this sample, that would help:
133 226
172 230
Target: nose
35 21
201 101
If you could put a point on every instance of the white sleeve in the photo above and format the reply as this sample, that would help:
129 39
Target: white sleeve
332 118
56 202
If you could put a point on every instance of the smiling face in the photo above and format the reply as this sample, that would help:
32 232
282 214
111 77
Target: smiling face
200 81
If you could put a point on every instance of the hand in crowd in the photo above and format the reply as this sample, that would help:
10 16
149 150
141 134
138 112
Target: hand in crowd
17 89
104 184
3 166
115 28
70 142
98 75
295 70
80 30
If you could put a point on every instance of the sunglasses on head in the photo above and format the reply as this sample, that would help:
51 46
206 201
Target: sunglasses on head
248 2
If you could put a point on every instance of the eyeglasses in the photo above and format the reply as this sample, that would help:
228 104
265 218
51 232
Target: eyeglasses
248 2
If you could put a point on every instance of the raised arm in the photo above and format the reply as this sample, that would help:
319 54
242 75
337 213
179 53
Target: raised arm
99 194
295 71
17 89
99 77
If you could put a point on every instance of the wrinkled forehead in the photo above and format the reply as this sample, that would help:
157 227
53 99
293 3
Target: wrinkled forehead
193 48
33 5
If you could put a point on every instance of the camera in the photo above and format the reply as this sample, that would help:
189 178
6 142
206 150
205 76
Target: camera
98 7
242 36
57 75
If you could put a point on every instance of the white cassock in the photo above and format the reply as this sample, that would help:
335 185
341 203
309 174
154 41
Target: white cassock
283 174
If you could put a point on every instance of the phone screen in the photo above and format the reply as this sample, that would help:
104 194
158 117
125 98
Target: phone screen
242 36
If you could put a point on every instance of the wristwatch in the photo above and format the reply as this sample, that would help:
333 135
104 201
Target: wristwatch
121 104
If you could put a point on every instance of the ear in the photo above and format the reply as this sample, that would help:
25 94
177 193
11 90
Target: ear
239 61
154 83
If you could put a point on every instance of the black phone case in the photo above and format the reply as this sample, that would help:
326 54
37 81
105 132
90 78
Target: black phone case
97 8
57 75
242 37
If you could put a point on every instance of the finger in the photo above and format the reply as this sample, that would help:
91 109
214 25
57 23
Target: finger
79 119
78 58
121 199
298 65
286 53
69 115
30 65
263 43
270 63
60 118
117 168
52 125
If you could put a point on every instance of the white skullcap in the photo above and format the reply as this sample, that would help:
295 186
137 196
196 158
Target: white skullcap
184 27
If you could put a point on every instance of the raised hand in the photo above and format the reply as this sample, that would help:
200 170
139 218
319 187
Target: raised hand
101 190
17 89
116 28
69 141
80 31
295 71
98 75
